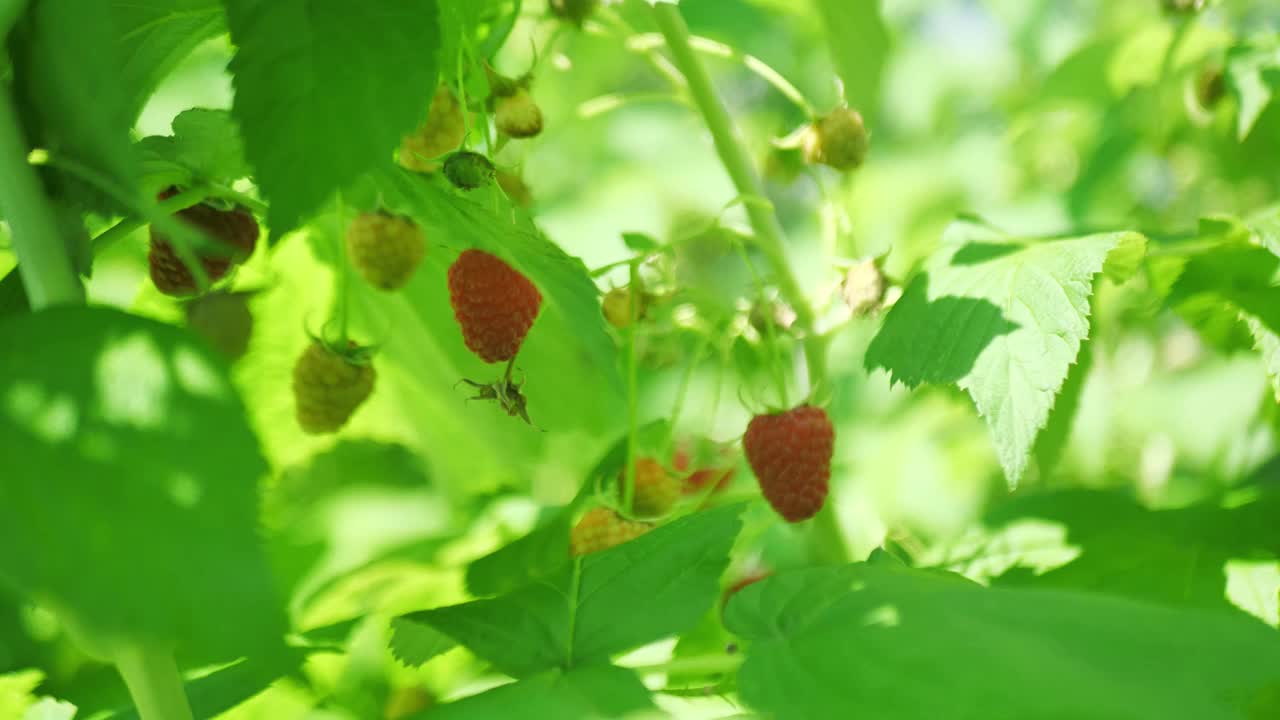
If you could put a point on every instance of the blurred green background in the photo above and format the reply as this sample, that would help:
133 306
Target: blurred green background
1043 118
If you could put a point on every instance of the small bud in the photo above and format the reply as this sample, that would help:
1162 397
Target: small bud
517 115
1211 86
1182 7
863 287
574 11
838 139
468 170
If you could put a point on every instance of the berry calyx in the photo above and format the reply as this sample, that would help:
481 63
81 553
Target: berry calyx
493 303
443 131
223 320
385 249
468 170
236 233
601 529
838 139
329 385
655 491
790 454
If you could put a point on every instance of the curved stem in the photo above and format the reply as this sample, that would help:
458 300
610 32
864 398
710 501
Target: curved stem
629 473
734 156
128 225
153 681
43 260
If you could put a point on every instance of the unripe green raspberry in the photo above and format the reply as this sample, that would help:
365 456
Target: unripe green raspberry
468 170
328 386
443 131
838 139
517 115
385 249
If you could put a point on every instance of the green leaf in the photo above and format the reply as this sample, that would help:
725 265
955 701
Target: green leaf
17 692
130 493
640 242
871 637
543 551
1004 320
153 36
1250 72
68 86
596 691
859 43
1175 557
414 643
1266 342
569 337
325 91
654 586
205 147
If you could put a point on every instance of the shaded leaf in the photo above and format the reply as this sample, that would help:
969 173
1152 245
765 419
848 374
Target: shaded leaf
69 89
325 91
164 548
654 586
414 643
596 691
1250 77
205 146
1003 319
859 41
867 637
153 36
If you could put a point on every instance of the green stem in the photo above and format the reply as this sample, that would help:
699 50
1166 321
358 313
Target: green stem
734 156
128 225
43 260
629 481
153 681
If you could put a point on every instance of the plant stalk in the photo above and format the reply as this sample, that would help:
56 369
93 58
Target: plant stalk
43 260
154 682
733 154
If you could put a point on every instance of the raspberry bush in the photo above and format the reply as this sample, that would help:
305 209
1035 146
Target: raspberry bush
637 358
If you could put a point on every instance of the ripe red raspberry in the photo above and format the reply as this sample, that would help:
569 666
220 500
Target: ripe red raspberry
385 249
495 305
720 473
790 453
601 529
328 386
235 229
655 490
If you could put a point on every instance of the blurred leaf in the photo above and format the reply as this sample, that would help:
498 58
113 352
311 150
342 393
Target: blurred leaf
153 36
414 643
205 147
343 80
867 636
130 498
71 96
50 709
16 692
1266 342
212 694
1001 318
640 242
654 586
859 42
1175 557
1253 74
595 691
